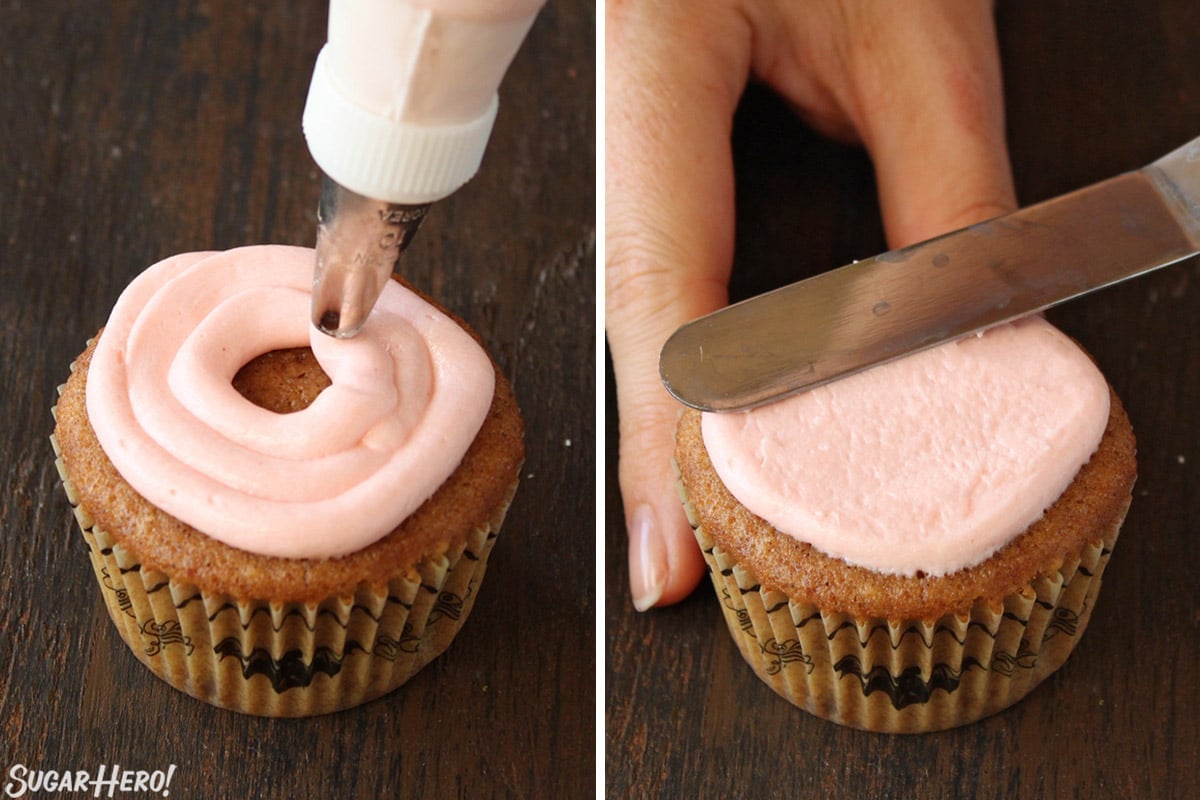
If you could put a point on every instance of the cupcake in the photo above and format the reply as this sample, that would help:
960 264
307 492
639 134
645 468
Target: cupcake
282 523
917 546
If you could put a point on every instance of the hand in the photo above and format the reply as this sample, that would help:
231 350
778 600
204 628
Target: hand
918 84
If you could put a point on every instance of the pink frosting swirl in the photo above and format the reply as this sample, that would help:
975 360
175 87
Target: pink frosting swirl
408 396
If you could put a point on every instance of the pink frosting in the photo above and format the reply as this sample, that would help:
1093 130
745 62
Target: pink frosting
928 464
408 396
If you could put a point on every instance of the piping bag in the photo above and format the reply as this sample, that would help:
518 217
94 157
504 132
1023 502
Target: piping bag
399 111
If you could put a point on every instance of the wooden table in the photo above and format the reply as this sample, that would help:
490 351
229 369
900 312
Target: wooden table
1093 89
133 130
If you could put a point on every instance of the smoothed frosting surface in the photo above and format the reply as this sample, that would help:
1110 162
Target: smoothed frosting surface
408 395
929 464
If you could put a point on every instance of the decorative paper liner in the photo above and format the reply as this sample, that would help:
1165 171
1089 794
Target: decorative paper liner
286 659
907 676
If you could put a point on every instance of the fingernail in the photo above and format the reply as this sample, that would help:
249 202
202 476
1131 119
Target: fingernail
647 559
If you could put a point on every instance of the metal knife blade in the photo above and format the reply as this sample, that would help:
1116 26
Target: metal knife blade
877 310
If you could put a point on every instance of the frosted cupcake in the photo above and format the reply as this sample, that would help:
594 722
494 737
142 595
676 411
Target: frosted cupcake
282 523
917 546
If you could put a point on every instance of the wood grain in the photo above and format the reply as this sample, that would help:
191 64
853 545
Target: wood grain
1092 90
133 130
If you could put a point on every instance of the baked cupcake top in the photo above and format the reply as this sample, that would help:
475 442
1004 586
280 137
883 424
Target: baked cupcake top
407 397
927 465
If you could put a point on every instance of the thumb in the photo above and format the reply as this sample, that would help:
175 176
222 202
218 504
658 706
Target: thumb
671 92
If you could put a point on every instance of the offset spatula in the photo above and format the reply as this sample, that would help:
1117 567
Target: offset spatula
874 311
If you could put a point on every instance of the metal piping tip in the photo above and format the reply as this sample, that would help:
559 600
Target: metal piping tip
359 242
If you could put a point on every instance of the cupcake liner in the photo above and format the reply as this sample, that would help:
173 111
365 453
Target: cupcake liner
292 659
907 676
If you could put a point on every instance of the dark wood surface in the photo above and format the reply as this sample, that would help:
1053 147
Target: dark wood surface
133 130
1093 89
